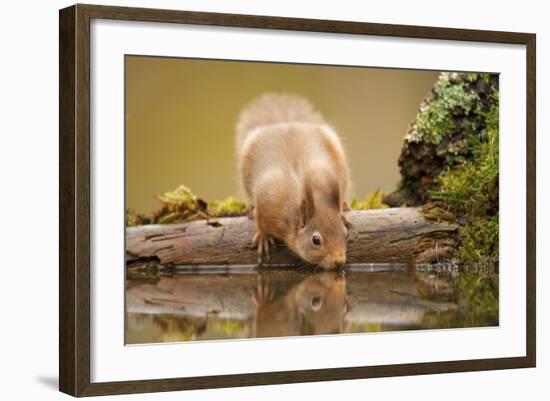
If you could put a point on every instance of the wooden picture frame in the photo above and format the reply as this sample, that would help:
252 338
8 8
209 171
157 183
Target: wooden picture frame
74 199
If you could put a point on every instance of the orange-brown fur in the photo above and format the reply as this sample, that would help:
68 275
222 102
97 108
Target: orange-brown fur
294 170
317 305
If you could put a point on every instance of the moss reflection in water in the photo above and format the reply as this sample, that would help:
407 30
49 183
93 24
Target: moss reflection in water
364 327
475 289
165 327
478 298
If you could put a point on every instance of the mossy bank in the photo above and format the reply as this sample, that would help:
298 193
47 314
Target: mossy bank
450 154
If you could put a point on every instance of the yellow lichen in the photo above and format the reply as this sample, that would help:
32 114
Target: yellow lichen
182 205
181 197
371 201
228 207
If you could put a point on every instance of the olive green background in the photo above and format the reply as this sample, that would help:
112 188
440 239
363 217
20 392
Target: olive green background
181 113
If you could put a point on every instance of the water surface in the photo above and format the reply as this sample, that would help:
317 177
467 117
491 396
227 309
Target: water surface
210 304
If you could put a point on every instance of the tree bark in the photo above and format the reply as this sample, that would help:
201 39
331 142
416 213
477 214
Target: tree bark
398 235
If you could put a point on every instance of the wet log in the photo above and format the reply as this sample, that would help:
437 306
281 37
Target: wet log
396 235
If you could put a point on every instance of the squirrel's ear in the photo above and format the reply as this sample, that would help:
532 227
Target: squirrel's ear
334 196
310 204
307 208
303 217
346 222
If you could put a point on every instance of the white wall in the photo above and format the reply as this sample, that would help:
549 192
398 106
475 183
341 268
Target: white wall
28 171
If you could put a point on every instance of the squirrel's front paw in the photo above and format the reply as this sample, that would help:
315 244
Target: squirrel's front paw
263 241
263 293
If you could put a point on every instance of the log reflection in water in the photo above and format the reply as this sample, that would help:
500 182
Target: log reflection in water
198 306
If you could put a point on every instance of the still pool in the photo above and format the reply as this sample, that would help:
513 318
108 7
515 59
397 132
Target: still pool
174 305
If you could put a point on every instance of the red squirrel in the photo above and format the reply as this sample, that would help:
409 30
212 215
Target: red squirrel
295 173
317 305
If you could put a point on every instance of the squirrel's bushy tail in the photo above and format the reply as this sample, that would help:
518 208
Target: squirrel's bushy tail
274 108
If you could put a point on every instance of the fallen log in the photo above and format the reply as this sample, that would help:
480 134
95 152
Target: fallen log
396 235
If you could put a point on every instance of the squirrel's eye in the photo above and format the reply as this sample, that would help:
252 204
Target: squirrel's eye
316 302
316 239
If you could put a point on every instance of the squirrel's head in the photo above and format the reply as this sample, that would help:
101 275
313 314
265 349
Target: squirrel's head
317 305
322 230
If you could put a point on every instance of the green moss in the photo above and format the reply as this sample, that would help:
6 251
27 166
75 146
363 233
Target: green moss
471 190
179 206
371 201
135 219
181 198
450 125
228 207
450 159
438 212
451 96
479 245
182 205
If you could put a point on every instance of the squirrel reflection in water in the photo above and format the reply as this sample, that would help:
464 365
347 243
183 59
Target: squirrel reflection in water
317 305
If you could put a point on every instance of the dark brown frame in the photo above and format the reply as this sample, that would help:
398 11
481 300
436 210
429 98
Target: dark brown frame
74 199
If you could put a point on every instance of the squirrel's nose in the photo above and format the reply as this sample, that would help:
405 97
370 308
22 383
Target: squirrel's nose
337 260
339 263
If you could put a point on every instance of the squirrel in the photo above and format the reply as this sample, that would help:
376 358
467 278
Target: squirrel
317 305
294 171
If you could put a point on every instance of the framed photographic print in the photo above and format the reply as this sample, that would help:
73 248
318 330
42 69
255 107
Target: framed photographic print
251 200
